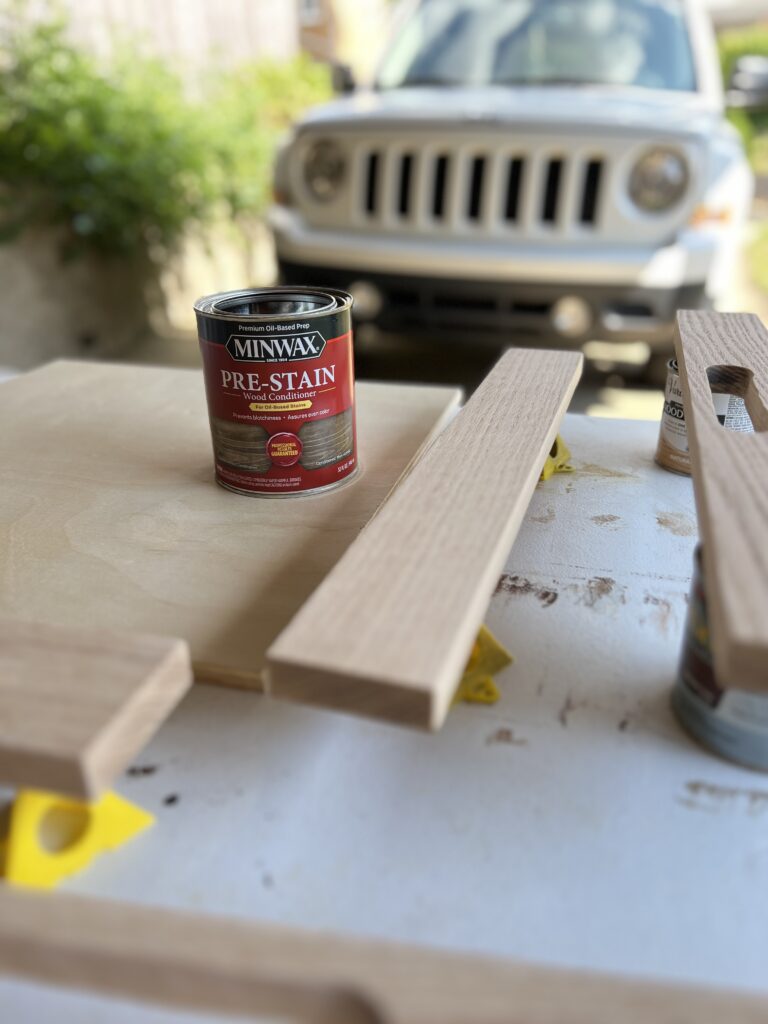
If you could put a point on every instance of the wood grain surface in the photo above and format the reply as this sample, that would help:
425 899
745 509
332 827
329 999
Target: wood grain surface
110 517
389 631
227 966
76 705
730 475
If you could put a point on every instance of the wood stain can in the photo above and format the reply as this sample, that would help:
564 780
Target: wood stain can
731 722
672 451
279 379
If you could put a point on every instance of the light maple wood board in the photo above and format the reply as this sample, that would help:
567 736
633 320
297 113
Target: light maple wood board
389 631
76 705
110 517
233 967
730 475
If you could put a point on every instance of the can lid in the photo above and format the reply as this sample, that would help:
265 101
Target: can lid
271 303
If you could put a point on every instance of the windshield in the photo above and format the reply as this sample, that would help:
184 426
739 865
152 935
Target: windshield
542 42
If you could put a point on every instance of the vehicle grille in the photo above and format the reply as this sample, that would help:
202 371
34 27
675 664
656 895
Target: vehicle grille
421 190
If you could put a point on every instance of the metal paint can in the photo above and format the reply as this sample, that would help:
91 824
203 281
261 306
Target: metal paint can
731 722
279 379
672 450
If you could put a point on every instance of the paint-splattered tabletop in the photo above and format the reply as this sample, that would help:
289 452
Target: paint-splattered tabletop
572 823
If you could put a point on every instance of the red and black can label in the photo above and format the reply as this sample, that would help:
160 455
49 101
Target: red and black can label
279 378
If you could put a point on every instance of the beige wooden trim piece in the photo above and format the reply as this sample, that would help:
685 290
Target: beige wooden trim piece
229 966
730 475
389 630
76 705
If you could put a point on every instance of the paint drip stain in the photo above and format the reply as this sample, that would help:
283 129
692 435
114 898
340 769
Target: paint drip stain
661 612
597 589
520 587
592 469
676 523
505 736
606 520
707 796
546 517
567 708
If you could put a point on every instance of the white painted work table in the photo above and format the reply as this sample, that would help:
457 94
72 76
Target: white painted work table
571 823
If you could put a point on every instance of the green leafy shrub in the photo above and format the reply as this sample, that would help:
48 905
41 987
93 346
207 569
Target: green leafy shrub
115 153
758 258
252 107
753 126
115 156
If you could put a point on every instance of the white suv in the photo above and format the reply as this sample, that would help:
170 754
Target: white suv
523 168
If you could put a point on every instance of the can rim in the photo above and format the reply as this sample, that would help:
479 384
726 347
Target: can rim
212 305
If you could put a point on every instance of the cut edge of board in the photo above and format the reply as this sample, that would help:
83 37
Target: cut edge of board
87 772
293 672
164 688
224 965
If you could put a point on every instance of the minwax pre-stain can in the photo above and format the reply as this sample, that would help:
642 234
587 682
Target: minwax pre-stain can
279 378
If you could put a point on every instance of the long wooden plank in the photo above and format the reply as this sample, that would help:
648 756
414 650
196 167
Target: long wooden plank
77 705
388 632
233 967
730 475
109 515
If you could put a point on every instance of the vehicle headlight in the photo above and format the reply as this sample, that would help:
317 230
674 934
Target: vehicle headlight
659 180
324 169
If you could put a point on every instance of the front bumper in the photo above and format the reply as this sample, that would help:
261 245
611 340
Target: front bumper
491 286
501 310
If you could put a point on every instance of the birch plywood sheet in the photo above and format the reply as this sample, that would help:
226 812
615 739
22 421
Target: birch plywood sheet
109 516
730 475
77 704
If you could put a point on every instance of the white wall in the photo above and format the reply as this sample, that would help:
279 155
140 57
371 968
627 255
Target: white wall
193 33
737 12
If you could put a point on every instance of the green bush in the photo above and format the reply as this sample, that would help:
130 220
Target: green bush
737 43
252 107
117 155
758 258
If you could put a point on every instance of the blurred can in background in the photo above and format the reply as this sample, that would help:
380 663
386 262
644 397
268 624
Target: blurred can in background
279 379
731 722
672 450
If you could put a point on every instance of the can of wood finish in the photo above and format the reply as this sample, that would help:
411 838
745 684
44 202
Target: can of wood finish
730 409
672 449
279 379
731 722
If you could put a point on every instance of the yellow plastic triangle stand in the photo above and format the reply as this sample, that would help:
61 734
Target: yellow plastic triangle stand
558 460
487 658
52 837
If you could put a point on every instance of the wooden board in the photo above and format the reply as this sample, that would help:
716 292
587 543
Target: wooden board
109 515
390 629
228 966
730 475
77 705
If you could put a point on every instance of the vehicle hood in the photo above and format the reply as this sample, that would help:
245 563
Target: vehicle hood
599 107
